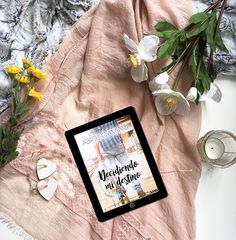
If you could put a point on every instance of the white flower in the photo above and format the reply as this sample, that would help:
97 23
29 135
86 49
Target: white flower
214 93
159 82
168 101
192 94
143 52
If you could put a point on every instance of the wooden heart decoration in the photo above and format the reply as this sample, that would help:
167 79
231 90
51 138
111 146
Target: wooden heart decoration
47 189
45 168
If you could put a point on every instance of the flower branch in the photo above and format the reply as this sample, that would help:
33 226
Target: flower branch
22 90
186 47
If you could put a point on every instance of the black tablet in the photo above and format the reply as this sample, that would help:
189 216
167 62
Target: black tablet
116 164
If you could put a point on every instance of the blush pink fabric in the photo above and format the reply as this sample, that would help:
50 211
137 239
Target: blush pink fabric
88 78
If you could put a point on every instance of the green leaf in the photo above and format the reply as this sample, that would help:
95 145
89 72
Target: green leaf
167 34
10 156
198 28
204 78
200 25
164 26
194 59
180 47
16 96
167 48
210 31
1 133
219 42
198 17
194 71
4 131
13 120
9 140
200 88
20 111
182 36
212 74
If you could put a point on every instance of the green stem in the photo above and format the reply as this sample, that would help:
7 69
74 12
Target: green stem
179 59
185 61
198 70
212 7
193 42
186 52
13 102
176 83
215 34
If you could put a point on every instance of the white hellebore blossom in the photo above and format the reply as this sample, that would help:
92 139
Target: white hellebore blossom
168 101
214 93
145 51
192 94
159 82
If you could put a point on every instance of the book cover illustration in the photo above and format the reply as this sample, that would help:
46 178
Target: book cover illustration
116 163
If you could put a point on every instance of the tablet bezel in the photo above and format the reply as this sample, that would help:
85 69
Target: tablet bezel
103 216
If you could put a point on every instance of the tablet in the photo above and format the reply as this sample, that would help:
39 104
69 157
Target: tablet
116 164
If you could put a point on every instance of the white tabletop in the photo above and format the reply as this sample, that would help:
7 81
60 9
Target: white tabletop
216 195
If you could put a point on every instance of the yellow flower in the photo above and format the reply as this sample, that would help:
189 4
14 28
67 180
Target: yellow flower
27 63
12 69
36 95
36 72
22 79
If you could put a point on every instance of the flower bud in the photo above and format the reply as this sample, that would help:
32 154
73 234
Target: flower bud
192 94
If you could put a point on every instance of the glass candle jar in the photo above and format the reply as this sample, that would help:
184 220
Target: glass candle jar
218 148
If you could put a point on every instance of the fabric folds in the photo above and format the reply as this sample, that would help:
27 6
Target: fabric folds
89 78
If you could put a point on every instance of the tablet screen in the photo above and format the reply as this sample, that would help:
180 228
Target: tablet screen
116 163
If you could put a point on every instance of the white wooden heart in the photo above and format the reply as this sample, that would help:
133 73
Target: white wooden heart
45 168
47 189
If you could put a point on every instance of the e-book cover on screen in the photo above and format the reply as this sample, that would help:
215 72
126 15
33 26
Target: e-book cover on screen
116 164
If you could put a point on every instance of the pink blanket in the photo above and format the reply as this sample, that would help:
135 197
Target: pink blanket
89 78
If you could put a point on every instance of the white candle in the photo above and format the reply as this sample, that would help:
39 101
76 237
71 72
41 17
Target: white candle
214 148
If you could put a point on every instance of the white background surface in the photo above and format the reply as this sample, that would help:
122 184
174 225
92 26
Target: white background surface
216 195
